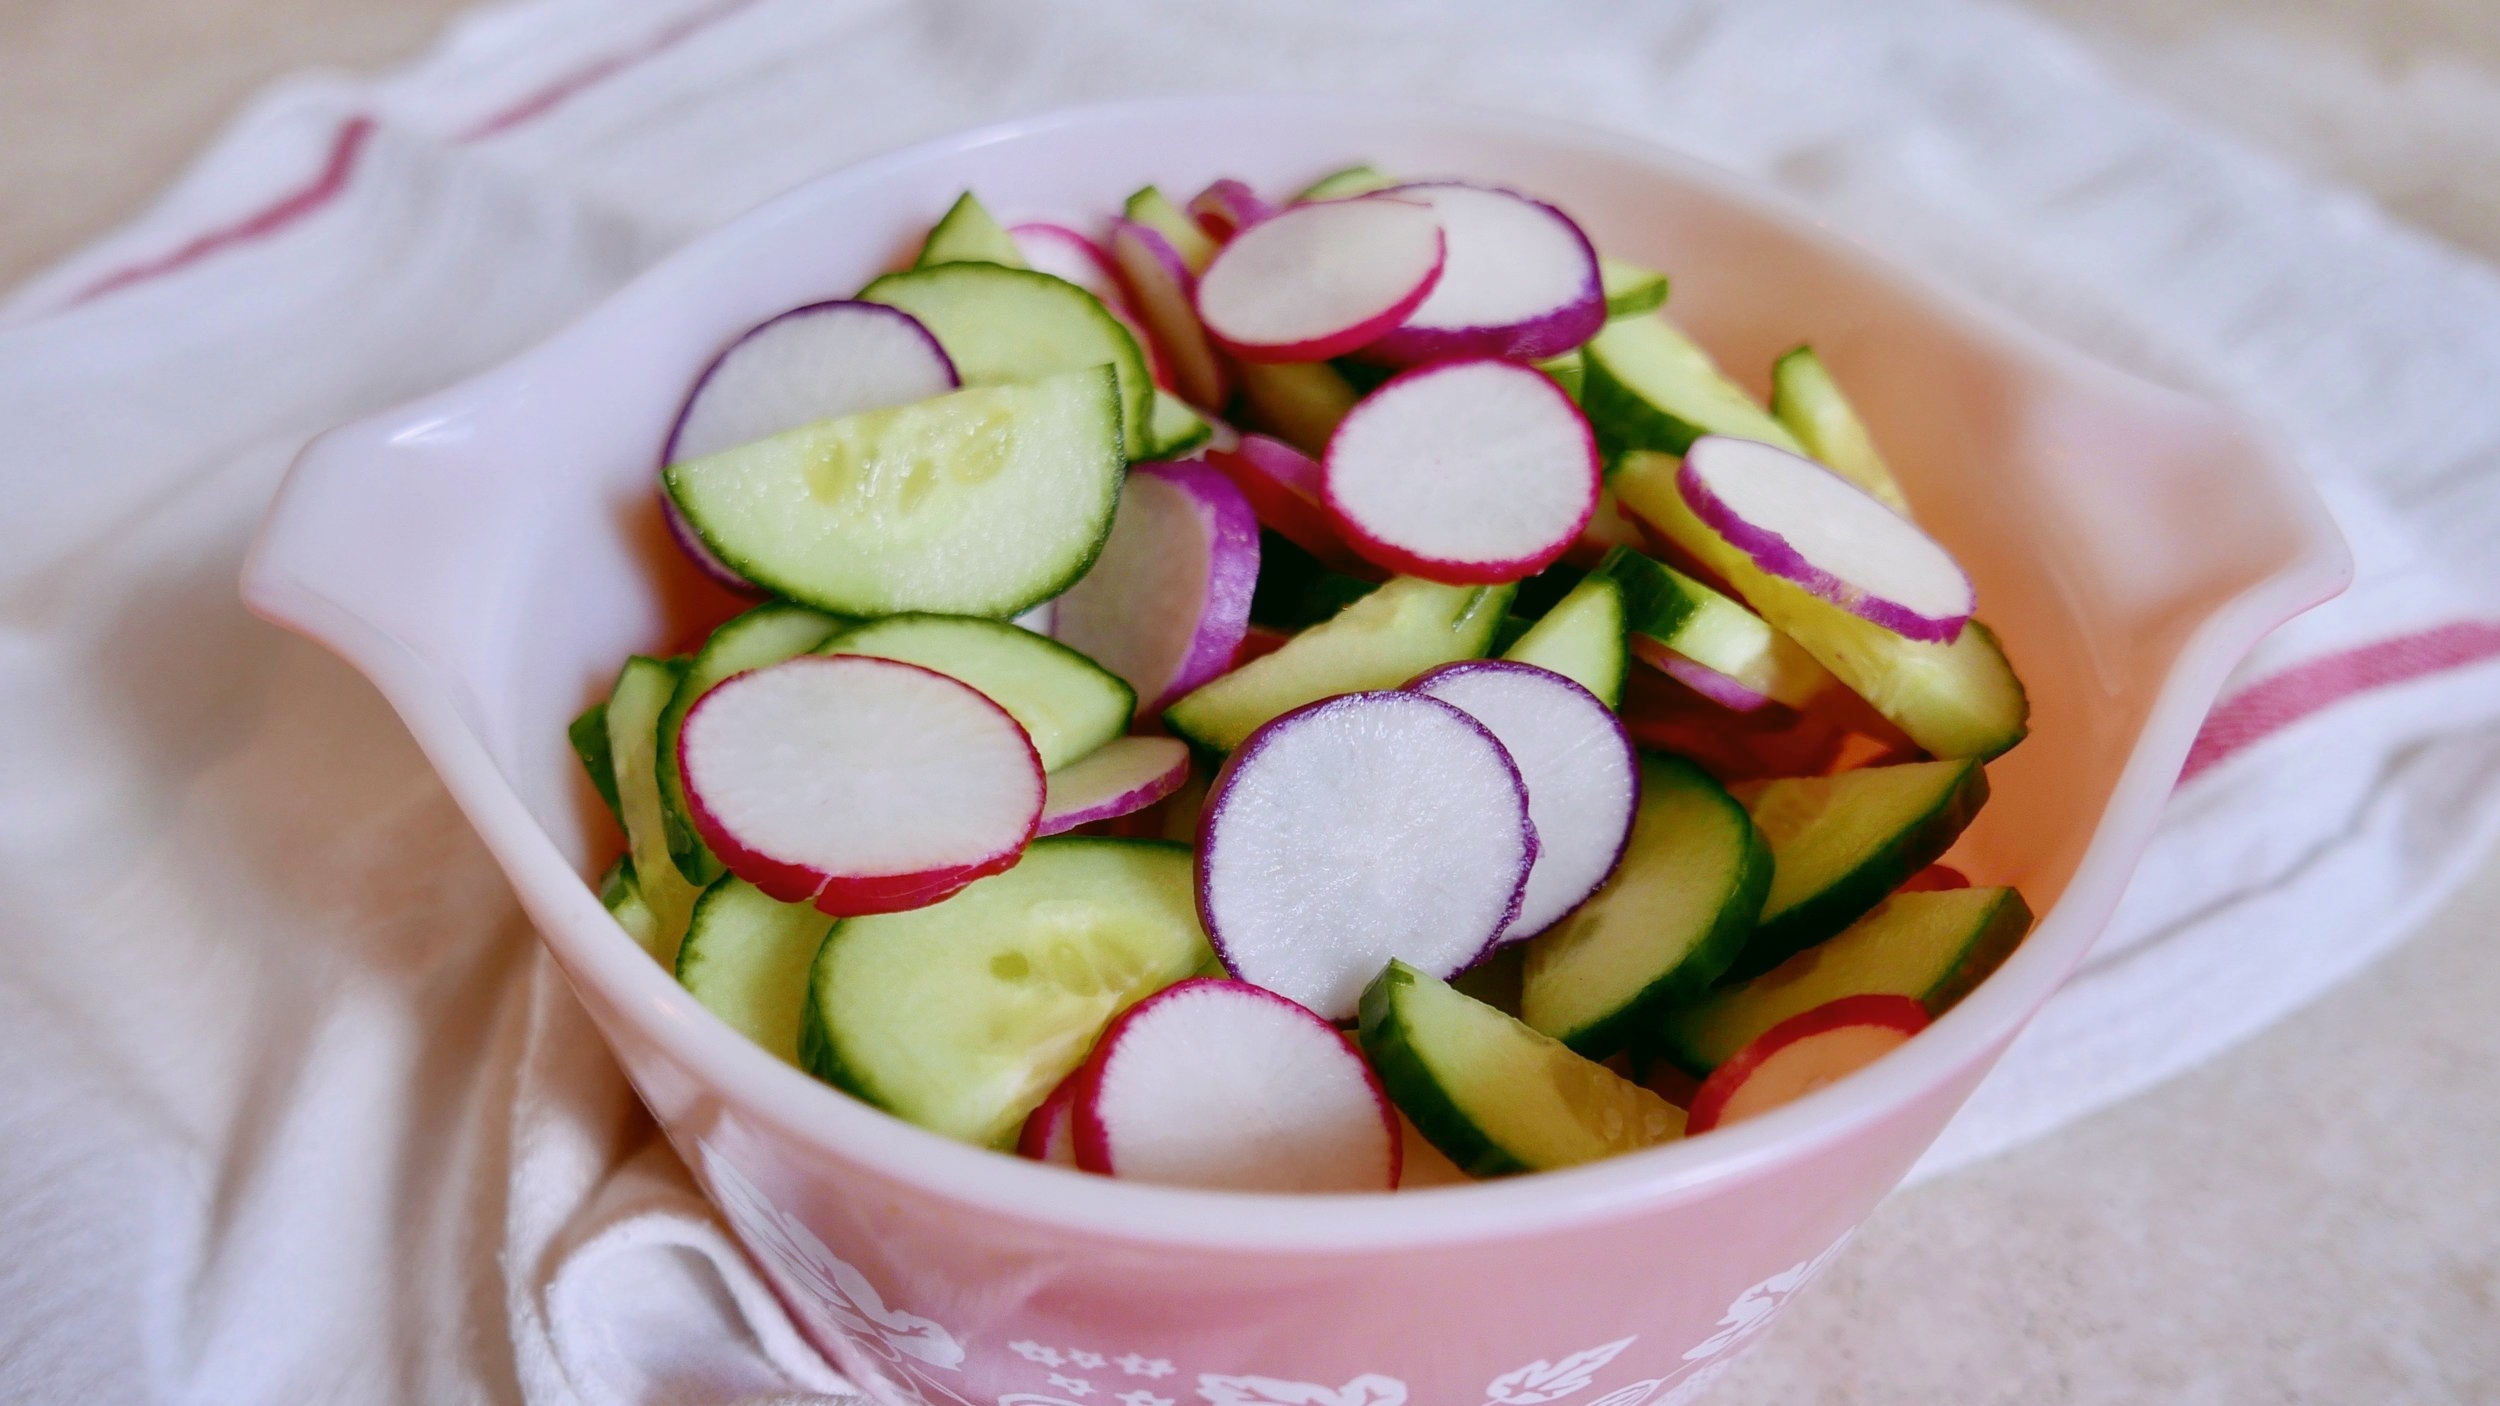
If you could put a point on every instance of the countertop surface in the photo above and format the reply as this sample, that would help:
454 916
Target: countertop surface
2314 1216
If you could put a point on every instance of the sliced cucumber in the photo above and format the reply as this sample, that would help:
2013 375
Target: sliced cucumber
1173 428
1630 289
962 1016
1003 326
1843 842
1806 399
1380 641
765 635
1068 704
1155 210
1569 371
1664 928
1933 946
1299 402
621 894
1581 638
1664 605
746 957
1652 387
642 692
589 736
967 234
1954 700
983 502
1494 1095
1351 181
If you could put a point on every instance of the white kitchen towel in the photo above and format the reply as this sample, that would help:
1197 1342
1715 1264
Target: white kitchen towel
296 1110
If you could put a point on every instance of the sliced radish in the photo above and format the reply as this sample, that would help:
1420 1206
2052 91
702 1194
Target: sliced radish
1288 491
1227 207
1465 472
1521 280
1220 1084
812 363
859 784
1066 253
1050 1133
1357 829
1800 522
1583 777
1719 688
1161 288
1803 1053
1121 777
1166 604
1318 281
1935 878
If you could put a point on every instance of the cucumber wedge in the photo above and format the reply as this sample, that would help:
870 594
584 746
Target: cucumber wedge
961 1017
1843 842
1340 185
1068 704
968 234
1173 428
1569 371
621 895
1153 209
643 690
1581 638
1380 641
1664 928
983 502
1954 700
1630 289
763 636
1651 387
746 957
1002 326
589 736
1932 946
1664 605
1299 402
1806 399
1494 1095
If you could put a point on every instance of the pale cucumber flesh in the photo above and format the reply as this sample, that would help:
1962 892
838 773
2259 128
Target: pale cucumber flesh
642 692
1581 638
746 957
969 234
1005 326
1651 387
1806 399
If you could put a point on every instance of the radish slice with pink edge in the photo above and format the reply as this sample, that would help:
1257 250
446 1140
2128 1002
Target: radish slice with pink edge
1288 491
1357 829
1121 777
1465 472
1521 280
1799 521
1050 1133
1582 775
1162 289
859 784
812 363
1727 692
1166 603
1225 1086
1802 1054
1320 280
1227 207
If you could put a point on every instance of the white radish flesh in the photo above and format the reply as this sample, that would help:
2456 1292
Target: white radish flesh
1583 778
1166 603
1318 281
1803 523
859 784
1357 829
1221 1085
1122 777
1521 281
1465 472
1066 253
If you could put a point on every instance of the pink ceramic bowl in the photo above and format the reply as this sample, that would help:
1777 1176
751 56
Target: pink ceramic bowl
488 555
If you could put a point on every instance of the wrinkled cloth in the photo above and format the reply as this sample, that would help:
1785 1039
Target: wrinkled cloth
296 1108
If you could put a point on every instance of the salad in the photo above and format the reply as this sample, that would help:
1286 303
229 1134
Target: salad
1268 691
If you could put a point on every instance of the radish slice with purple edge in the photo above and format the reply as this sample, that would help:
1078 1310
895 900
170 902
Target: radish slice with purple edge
1583 778
1521 281
1318 281
1357 829
1167 602
1287 490
1161 287
1802 1054
1223 1085
1801 522
1727 692
1227 207
818 362
1465 472
1121 777
1050 1134
859 784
